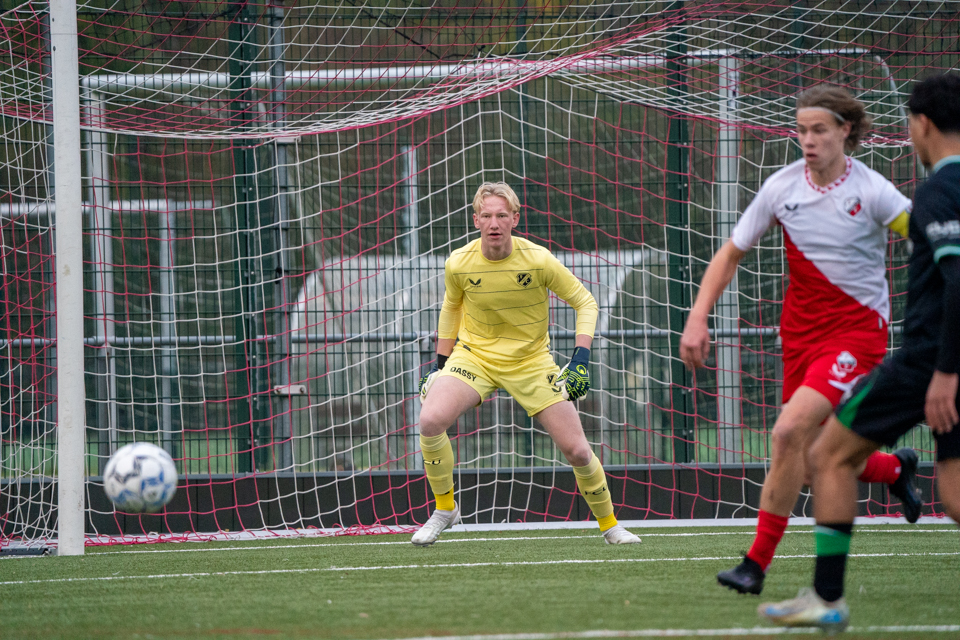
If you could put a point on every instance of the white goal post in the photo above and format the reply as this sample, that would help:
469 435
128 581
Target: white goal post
71 410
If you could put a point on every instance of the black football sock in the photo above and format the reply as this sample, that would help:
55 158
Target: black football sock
833 545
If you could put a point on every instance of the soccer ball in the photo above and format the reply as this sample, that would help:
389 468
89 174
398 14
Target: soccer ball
140 477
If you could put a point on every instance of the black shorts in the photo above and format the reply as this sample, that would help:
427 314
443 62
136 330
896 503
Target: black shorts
888 402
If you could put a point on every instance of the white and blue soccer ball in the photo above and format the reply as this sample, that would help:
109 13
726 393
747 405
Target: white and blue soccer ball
140 477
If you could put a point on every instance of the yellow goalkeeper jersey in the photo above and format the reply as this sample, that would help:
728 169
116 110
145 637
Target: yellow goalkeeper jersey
500 308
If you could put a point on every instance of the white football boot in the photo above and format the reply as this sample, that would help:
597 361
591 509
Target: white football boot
808 610
618 535
432 528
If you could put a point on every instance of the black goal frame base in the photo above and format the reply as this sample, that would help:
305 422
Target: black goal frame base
345 499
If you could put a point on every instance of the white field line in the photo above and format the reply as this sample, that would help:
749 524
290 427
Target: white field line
203 549
698 633
681 523
504 527
341 544
454 565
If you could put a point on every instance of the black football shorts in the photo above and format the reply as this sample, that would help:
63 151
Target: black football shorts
888 402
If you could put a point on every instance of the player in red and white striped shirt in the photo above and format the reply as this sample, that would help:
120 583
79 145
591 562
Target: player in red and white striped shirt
834 212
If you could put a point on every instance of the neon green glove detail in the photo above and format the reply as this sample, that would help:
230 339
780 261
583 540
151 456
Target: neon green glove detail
574 378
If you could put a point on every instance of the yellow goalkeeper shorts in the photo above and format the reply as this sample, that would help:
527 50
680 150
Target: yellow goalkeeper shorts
531 382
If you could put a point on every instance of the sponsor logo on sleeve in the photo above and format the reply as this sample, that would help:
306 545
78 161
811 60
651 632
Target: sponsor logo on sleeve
942 230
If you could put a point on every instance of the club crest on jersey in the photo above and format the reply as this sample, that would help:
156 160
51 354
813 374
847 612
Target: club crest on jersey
845 365
852 205
524 279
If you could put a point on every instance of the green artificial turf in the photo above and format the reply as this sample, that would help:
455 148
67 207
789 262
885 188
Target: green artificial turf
359 587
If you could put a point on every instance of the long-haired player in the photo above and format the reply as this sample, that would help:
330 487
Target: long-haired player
918 382
834 212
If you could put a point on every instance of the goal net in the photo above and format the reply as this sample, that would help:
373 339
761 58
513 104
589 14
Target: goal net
271 188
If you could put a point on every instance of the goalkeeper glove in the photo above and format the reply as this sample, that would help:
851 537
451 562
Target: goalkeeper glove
574 378
427 381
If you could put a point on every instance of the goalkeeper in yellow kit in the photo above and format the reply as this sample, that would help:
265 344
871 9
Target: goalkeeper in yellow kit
496 303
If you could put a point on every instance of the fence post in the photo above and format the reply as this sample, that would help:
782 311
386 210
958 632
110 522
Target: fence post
678 245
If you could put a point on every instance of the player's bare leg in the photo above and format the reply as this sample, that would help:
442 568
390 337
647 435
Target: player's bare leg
793 433
795 429
948 486
834 460
447 399
562 422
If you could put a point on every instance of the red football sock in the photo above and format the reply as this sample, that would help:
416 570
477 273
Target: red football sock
881 467
770 530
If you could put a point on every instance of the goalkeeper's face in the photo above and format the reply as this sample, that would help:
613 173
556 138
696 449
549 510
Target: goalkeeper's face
496 222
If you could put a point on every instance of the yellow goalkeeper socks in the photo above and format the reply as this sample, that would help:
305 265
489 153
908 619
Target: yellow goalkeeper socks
607 522
438 461
445 501
592 482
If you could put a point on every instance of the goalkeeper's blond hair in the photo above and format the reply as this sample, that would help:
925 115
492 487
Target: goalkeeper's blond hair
501 189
